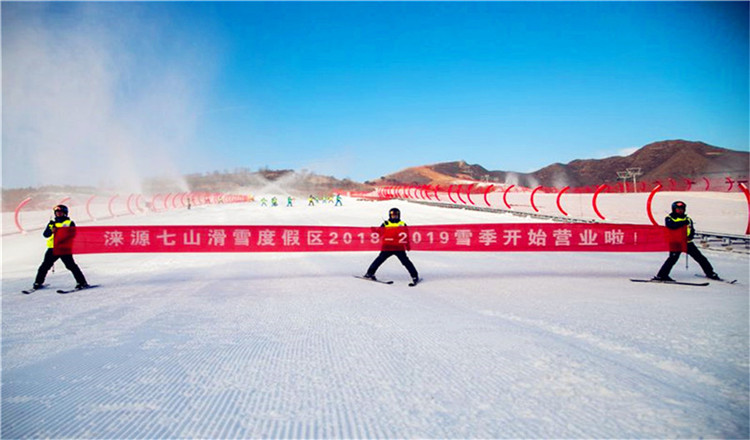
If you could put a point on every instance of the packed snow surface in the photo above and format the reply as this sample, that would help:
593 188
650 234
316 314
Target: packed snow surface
490 345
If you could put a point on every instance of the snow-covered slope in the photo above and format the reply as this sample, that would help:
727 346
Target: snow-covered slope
291 345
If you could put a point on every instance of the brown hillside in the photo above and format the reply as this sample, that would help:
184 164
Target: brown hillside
437 174
658 161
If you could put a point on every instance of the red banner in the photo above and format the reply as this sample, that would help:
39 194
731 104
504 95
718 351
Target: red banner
500 237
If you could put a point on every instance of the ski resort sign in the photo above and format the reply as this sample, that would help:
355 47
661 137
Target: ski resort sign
502 237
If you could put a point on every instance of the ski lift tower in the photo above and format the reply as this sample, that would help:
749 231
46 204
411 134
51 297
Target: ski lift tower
624 176
634 173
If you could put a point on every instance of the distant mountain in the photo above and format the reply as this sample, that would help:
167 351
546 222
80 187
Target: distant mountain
673 159
659 161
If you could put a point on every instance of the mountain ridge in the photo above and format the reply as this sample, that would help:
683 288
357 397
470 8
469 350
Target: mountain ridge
658 161
670 159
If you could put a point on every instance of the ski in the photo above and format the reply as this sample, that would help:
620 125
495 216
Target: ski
375 280
720 279
61 291
414 283
681 283
32 290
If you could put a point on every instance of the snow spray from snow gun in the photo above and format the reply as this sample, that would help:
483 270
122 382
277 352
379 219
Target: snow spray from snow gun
503 237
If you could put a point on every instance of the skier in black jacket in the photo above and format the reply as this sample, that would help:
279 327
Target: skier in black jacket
392 245
679 219
61 220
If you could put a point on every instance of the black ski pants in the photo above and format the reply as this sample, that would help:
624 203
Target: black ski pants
401 255
49 260
694 252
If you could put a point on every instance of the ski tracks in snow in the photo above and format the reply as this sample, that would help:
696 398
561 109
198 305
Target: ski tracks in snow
291 346
667 394
316 357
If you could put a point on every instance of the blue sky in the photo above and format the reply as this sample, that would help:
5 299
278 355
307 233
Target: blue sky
361 89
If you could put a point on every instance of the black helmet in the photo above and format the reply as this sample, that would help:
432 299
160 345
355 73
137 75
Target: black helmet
678 204
394 213
62 208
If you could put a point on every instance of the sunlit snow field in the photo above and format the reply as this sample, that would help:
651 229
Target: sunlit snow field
522 345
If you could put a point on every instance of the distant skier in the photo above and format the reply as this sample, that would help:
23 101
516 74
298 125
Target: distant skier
392 246
263 201
338 200
677 220
289 200
61 220
311 200
274 201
